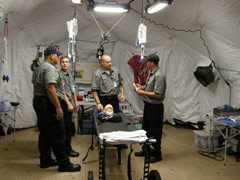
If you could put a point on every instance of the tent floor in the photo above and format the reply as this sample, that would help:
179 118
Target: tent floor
181 160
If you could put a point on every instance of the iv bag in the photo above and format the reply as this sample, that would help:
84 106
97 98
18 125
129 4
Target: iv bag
142 33
72 27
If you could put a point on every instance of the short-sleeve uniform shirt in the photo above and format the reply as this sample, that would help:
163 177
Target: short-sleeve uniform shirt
68 83
47 73
155 83
107 84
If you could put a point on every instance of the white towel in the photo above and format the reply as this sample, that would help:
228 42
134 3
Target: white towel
118 137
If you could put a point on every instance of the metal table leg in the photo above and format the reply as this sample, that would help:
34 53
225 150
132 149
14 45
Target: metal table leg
102 160
226 143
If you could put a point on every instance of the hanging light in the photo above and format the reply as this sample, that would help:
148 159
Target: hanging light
77 1
110 6
158 5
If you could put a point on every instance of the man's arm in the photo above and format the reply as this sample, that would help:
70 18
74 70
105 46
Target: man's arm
69 104
75 100
52 94
99 105
140 86
149 94
122 93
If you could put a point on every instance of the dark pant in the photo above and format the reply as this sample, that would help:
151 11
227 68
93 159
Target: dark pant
68 127
52 131
113 100
153 124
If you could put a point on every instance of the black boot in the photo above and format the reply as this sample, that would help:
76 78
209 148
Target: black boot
50 163
155 157
140 153
73 153
69 168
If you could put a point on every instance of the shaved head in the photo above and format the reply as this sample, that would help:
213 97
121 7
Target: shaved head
106 62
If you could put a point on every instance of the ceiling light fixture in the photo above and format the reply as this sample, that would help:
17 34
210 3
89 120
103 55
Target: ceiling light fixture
110 6
77 1
158 5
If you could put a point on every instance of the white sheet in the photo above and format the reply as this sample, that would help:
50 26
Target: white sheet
119 137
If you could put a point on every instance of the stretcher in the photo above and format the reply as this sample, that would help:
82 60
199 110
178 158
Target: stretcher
116 134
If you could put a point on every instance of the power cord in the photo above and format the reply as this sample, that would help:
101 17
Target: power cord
211 155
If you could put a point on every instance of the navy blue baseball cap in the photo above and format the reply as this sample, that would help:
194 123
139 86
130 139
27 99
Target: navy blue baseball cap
52 50
152 58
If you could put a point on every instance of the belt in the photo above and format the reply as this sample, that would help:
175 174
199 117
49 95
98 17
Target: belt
145 102
108 97
44 97
60 100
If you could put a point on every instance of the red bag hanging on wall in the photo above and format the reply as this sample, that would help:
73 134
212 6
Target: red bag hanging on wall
140 70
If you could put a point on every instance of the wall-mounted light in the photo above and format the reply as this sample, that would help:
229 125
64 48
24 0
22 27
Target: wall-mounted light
158 5
110 6
77 1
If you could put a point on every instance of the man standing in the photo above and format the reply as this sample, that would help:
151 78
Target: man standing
69 90
153 95
48 102
106 85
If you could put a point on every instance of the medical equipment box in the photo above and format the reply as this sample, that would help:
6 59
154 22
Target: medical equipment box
225 112
204 140
86 124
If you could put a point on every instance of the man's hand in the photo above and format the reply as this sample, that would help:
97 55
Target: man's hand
138 86
70 107
141 92
122 99
77 107
59 113
135 87
100 107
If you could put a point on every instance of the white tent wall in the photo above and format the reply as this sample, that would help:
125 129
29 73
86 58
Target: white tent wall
32 23
19 87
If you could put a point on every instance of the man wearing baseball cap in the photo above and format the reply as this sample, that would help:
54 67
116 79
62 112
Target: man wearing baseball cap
49 98
153 95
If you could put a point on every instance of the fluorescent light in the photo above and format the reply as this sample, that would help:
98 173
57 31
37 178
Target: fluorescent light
113 8
77 1
157 6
